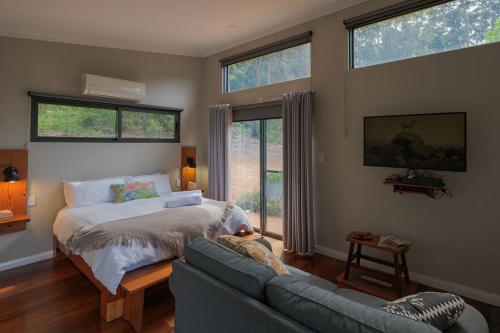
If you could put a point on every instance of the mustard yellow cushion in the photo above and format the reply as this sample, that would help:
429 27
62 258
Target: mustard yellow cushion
254 250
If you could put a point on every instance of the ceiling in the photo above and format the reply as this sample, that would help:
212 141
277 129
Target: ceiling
186 27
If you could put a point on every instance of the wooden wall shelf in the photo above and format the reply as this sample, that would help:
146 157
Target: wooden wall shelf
400 186
13 196
13 224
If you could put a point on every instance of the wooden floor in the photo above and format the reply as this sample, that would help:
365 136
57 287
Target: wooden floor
53 296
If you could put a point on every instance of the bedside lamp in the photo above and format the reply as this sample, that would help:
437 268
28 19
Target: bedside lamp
11 174
191 162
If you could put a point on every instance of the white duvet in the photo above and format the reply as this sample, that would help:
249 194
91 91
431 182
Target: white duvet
110 264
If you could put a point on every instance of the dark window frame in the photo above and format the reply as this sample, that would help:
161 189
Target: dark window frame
383 14
281 45
39 98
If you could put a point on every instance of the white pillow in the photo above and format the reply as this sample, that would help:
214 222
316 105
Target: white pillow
90 192
162 183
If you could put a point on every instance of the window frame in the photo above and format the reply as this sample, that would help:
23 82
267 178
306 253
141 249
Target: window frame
280 45
39 98
383 14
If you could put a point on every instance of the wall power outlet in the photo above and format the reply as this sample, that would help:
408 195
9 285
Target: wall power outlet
31 201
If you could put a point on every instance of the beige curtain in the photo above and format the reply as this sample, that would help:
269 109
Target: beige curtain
219 140
298 224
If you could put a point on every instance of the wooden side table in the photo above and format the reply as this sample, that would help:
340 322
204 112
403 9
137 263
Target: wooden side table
399 264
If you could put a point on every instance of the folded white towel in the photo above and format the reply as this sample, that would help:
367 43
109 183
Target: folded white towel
185 193
186 198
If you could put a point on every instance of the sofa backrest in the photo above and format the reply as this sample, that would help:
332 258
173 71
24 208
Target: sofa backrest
324 311
236 270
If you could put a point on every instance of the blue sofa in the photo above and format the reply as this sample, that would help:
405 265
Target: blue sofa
218 290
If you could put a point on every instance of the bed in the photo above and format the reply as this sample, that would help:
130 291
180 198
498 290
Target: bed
113 239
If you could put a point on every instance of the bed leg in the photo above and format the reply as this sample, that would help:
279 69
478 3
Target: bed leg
111 306
134 308
57 253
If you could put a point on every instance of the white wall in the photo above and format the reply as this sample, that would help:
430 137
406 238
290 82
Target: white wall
56 68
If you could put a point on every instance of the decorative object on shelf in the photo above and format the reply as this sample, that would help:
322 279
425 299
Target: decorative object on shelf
372 281
426 183
6 213
363 235
188 168
11 174
392 242
13 190
191 162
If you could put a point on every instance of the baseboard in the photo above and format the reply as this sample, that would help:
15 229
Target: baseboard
26 260
476 294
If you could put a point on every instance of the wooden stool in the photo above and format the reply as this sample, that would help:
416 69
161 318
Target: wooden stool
399 264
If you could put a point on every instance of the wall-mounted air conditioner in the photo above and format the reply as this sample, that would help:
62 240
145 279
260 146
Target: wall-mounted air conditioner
101 86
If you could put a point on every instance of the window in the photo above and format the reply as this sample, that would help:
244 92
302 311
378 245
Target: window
286 60
422 27
58 118
75 121
144 125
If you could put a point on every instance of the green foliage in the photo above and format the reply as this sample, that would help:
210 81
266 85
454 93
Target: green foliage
75 121
494 34
274 177
452 25
251 201
251 130
275 131
289 64
147 125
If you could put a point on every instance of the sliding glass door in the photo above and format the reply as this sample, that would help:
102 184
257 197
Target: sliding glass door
245 168
257 173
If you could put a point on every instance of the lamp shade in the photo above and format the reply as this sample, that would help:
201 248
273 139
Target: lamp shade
11 174
191 162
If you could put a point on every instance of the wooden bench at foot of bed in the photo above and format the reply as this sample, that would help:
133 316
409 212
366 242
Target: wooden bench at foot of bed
129 299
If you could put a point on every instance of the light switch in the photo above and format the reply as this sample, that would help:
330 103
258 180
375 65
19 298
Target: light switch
321 157
31 201
178 182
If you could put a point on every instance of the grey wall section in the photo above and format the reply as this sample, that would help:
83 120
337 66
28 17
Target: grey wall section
454 239
56 68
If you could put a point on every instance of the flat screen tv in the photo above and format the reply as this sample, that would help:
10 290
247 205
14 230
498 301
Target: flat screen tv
434 141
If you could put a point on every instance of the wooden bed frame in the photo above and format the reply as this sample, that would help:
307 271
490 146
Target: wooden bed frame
129 299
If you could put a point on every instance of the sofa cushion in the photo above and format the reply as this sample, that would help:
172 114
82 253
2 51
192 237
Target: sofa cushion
254 250
471 321
360 297
236 270
264 242
312 279
324 311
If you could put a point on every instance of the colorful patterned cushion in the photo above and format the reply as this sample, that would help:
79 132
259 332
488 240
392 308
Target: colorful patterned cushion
441 310
254 250
134 191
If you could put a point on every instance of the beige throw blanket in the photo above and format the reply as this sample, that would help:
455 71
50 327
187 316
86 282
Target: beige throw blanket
171 228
